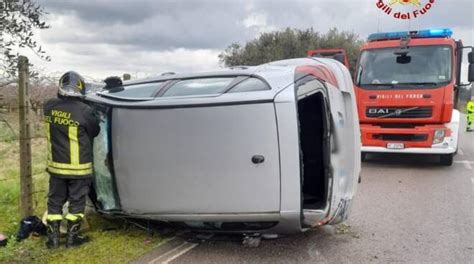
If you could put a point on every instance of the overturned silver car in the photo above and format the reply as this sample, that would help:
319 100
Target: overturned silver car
271 149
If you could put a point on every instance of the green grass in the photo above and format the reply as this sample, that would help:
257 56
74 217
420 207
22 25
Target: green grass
120 245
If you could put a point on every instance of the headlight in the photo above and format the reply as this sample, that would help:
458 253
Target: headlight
439 133
438 136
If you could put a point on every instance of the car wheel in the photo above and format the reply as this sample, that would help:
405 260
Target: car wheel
446 159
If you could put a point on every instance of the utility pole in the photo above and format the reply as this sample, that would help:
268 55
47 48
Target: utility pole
26 181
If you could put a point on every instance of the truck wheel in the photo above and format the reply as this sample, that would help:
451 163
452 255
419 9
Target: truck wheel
446 159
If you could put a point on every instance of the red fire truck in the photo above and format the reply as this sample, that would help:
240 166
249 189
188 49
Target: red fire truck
337 54
406 84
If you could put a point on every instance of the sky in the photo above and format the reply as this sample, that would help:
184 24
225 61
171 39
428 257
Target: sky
149 37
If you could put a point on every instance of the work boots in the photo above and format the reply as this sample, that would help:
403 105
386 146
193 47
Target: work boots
73 238
53 234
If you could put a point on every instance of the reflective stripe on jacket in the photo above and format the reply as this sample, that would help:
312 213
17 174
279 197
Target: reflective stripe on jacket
470 108
70 127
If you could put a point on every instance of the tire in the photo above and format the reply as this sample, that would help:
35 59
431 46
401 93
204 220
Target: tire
363 156
446 159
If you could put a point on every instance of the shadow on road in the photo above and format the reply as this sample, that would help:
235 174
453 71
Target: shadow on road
401 160
312 246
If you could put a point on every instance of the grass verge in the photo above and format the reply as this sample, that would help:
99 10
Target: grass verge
112 241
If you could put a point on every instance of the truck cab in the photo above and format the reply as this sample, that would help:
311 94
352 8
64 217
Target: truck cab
336 54
405 84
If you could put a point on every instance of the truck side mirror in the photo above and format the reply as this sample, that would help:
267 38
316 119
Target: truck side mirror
339 57
470 57
470 73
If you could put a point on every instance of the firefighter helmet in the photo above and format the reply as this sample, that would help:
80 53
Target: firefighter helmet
72 84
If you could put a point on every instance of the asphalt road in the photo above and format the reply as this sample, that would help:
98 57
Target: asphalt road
408 209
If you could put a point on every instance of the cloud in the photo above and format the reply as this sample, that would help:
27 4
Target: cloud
103 37
362 16
102 12
101 60
150 24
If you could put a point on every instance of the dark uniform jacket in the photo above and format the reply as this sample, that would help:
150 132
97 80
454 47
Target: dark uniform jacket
70 127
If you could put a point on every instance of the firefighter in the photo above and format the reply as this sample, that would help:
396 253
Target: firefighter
470 115
70 126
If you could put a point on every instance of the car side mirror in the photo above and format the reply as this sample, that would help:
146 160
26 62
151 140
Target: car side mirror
112 82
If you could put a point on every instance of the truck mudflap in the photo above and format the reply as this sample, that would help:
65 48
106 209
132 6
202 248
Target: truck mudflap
106 196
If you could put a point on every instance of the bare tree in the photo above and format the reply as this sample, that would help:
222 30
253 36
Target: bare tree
18 21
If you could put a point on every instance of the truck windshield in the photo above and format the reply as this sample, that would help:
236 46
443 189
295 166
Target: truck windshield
421 66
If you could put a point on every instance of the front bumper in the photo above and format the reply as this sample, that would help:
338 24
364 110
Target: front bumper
448 146
433 150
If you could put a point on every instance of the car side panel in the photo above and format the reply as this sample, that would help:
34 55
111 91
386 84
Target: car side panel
197 160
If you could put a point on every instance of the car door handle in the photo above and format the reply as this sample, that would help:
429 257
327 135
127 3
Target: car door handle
258 159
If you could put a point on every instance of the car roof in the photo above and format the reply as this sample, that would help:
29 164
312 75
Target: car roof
278 75
266 71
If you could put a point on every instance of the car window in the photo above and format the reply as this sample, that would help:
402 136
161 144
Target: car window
198 86
137 90
249 85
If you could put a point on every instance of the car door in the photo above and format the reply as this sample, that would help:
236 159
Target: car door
197 159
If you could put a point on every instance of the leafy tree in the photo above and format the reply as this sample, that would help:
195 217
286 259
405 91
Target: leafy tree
290 43
18 21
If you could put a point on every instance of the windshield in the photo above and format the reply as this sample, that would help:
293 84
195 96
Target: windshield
421 66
